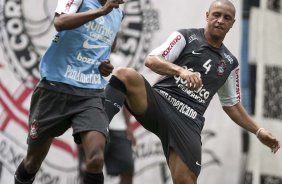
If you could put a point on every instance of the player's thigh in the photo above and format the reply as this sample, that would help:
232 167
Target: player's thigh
180 172
136 96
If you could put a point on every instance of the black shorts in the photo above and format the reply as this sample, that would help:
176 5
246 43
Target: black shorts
118 154
52 113
174 129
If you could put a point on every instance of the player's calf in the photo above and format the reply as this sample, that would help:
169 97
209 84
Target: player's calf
22 176
115 96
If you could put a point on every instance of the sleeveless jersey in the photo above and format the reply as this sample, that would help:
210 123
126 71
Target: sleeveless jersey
219 71
74 55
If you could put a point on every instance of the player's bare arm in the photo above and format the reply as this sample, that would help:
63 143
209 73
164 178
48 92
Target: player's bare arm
73 20
110 4
163 67
238 114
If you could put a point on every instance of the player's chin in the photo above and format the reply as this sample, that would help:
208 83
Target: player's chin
219 34
219 31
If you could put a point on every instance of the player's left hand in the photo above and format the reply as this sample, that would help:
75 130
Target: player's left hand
269 140
106 68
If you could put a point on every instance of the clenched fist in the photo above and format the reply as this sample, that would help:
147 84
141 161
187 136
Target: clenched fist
106 68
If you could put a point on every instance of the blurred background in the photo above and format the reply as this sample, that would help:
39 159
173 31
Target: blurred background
230 154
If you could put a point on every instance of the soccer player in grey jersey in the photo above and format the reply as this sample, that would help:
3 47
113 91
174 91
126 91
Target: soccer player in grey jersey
195 65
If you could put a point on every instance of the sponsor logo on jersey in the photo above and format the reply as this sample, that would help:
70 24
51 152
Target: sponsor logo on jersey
180 106
99 32
68 5
201 94
87 60
100 20
171 45
237 84
195 53
87 45
86 78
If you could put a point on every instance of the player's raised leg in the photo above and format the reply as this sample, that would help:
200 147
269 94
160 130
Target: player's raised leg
126 84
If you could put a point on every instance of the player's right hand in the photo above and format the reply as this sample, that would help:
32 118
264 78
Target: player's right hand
193 79
106 68
110 4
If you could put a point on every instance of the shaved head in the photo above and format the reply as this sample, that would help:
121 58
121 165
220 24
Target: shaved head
220 18
227 2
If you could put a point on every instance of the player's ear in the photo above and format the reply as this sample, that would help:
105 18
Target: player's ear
233 22
207 16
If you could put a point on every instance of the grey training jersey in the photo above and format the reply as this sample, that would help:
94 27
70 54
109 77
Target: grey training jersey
218 68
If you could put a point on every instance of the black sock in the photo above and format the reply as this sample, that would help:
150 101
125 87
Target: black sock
115 96
93 178
22 176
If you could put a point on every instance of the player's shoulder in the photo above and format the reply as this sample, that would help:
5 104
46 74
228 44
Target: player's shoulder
191 34
190 31
229 56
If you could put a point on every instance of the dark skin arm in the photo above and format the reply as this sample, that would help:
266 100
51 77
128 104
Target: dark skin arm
70 21
106 68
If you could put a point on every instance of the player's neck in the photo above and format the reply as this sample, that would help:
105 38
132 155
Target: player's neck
214 41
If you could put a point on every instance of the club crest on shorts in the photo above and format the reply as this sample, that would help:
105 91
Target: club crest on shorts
221 68
33 133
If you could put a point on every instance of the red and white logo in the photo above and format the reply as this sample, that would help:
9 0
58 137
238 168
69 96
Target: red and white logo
171 45
33 132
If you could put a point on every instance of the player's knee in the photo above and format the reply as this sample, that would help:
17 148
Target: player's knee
125 74
95 163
